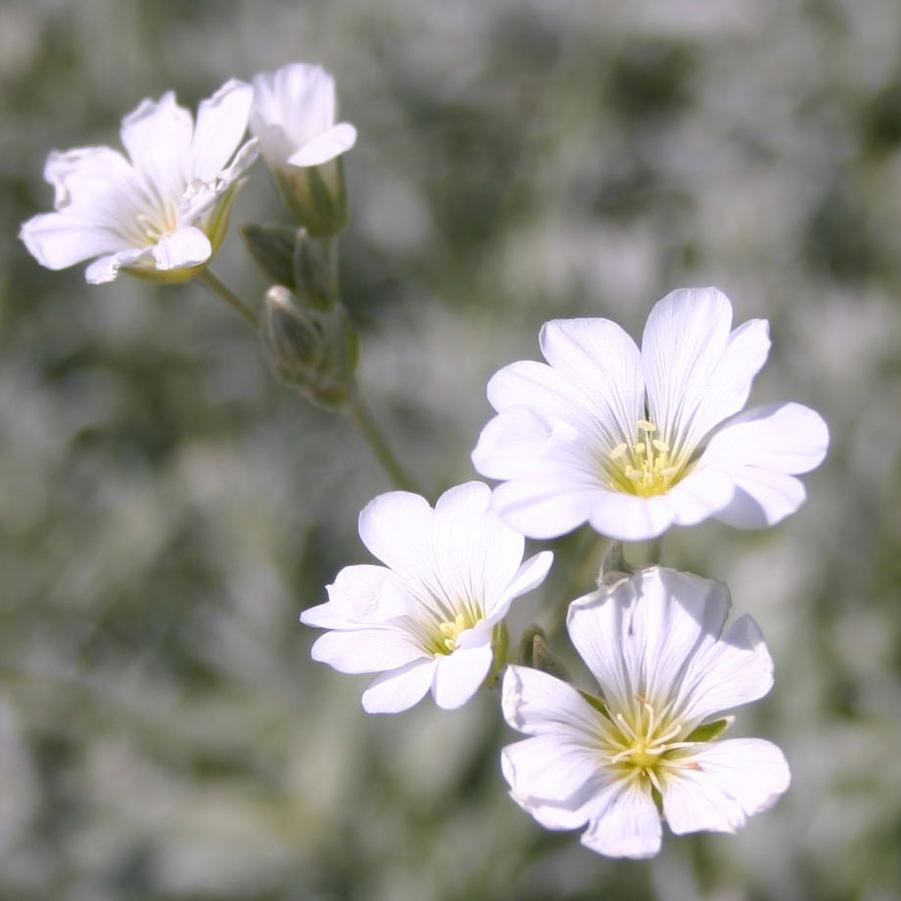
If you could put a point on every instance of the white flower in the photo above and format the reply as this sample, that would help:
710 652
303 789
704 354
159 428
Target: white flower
426 619
293 116
162 212
654 644
635 441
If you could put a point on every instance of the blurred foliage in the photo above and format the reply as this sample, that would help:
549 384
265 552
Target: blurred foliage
168 509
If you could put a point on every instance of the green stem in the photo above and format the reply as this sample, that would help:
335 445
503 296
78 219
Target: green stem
364 421
214 286
588 564
655 551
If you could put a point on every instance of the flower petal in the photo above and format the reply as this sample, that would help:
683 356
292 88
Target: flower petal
81 174
361 594
221 124
734 779
510 443
788 438
700 494
459 675
538 387
157 136
529 576
106 268
58 240
477 554
366 650
628 517
536 703
642 635
545 506
397 528
758 447
555 777
697 373
762 499
731 672
598 357
326 146
399 689
626 822
182 249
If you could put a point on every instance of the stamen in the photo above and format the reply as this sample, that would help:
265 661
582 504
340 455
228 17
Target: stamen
450 630
644 467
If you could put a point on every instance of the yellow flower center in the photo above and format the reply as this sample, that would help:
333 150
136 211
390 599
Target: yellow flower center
445 641
646 467
642 743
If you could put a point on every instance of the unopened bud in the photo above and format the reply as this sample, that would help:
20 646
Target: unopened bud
311 350
272 247
315 271
614 566
535 652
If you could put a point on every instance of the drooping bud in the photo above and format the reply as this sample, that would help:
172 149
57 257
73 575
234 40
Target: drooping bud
312 350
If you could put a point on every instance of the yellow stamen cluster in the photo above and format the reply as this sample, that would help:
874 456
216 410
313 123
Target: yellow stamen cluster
450 631
641 743
644 468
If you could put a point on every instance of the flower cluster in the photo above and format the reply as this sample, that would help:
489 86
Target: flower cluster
629 440
161 211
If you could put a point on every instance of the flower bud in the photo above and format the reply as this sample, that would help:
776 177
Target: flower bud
312 350
272 248
535 652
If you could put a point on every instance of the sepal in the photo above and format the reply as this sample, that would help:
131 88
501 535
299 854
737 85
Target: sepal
311 350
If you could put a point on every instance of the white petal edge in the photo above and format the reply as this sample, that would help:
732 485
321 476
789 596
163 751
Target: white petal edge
534 703
626 823
643 634
182 249
726 674
59 240
546 506
324 147
684 338
555 777
735 779
528 577
157 136
221 124
396 527
459 675
628 517
366 650
105 269
400 689
598 357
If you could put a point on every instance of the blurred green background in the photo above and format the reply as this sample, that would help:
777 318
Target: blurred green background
168 509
